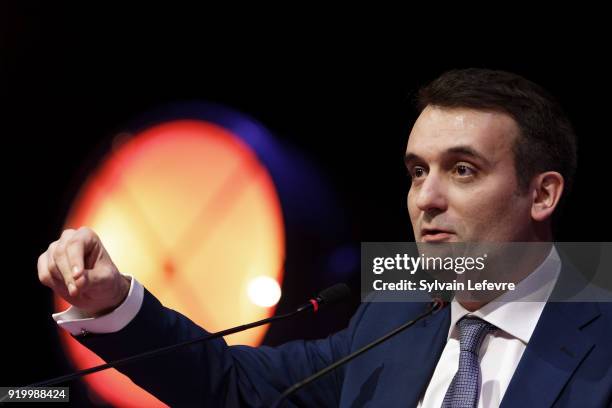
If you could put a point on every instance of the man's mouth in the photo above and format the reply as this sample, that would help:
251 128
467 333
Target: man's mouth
435 235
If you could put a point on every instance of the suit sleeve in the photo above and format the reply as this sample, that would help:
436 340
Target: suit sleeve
213 374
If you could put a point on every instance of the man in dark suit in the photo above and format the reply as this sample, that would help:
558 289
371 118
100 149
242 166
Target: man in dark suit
490 156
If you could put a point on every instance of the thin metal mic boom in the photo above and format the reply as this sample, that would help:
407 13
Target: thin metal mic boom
330 295
436 305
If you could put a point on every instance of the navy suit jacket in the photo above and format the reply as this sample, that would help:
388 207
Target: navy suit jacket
567 363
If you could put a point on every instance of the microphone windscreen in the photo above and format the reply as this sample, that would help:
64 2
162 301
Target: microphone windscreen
333 294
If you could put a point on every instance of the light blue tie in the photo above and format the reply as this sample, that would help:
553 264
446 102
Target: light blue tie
464 390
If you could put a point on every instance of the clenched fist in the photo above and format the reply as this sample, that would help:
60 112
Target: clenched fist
78 268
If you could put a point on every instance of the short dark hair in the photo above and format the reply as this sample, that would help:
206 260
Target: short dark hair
547 141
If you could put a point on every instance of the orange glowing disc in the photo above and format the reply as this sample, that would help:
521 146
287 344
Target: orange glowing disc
188 210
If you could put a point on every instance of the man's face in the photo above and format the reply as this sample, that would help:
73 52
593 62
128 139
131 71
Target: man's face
464 186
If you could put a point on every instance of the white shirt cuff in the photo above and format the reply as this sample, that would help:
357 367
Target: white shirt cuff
76 321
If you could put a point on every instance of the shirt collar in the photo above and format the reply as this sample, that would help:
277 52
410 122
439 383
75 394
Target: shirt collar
517 311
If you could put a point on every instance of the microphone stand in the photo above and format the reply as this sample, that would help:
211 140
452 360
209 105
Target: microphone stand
436 305
330 295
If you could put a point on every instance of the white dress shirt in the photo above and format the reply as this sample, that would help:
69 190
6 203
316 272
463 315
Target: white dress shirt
78 322
515 314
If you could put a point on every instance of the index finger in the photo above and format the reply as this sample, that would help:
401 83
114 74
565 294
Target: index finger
78 248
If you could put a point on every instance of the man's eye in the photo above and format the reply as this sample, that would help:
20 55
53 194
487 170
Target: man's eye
418 172
464 171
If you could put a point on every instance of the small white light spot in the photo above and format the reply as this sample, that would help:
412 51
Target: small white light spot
264 291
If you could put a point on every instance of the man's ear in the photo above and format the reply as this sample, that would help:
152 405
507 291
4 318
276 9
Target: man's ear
547 189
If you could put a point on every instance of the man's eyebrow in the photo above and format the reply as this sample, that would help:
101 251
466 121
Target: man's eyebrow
468 151
411 157
460 150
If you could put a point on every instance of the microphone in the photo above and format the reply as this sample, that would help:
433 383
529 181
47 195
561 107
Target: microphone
435 305
331 295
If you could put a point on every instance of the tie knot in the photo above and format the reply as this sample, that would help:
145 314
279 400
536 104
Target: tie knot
472 331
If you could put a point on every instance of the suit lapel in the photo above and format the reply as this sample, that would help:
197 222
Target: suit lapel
407 373
555 350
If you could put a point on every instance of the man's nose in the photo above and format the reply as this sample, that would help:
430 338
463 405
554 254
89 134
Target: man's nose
432 197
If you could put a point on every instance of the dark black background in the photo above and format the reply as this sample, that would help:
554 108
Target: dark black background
72 78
